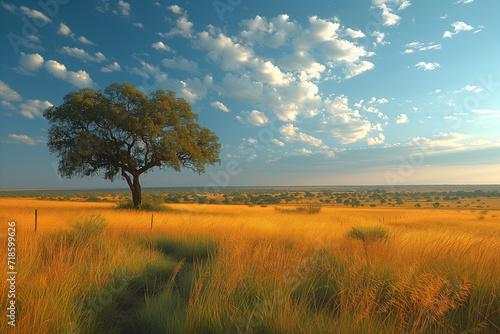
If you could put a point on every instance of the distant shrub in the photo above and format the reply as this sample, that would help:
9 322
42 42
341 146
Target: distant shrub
368 234
147 204
313 208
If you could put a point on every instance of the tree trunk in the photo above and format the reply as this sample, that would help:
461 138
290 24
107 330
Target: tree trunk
136 191
135 187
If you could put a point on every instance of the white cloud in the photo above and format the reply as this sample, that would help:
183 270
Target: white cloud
402 119
301 61
176 9
353 69
406 4
458 27
33 108
183 27
115 67
123 8
7 105
161 46
64 30
349 129
277 142
7 93
463 2
180 63
470 88
24 139
80 79
354 33
487 113
376 140
380 38
418 46
30 62
303 151
481 142
273 33
388 16
84 40
220 106
9 7
34 14
82 54
292 134
427 66
254 117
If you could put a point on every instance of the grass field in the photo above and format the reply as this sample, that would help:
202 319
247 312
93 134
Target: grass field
92 268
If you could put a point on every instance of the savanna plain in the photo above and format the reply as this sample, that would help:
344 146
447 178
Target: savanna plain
268 261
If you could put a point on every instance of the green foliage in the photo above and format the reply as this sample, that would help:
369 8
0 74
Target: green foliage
123 132
187 250
147 204
86 230
436 205
313 208
368 233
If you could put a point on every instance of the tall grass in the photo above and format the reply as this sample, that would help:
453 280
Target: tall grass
236 269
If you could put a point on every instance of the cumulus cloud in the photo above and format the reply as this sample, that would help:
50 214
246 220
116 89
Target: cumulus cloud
183 27
220 106
24 139
33 108
470 88
379 38
277 142
66 31
273 33
180 63
8 93
161 46
303 151
29 63
82 54
402 119
34 14
353 69
80 79
354 33
458 27
114 67
254 117
427 66
388 16
376 140
123 8
176 9
292 134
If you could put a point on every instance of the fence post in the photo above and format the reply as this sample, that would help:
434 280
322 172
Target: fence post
152 221
36 218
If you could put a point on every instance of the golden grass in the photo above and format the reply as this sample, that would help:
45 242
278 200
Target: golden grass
438 267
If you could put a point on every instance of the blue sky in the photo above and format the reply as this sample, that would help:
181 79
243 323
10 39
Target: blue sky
386 92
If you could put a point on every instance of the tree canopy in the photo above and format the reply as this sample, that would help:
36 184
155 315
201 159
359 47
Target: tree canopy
124 132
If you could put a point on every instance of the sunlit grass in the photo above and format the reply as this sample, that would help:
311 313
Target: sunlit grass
242 268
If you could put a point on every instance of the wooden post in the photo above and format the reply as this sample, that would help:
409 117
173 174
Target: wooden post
36 218
152 221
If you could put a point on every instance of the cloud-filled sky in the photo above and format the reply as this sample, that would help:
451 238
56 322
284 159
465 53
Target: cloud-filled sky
323 93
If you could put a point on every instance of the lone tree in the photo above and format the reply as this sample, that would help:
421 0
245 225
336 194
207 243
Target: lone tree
123 132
